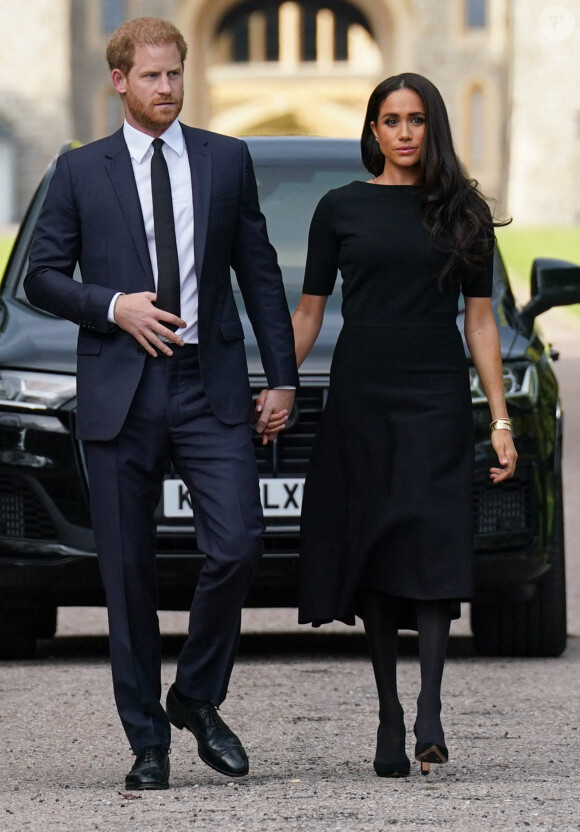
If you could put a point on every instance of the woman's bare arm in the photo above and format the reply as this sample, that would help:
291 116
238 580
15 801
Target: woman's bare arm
483 341
307 321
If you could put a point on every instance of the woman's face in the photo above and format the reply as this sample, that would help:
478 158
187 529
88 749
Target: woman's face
400 131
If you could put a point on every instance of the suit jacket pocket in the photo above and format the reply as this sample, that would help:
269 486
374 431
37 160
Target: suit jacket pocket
232 330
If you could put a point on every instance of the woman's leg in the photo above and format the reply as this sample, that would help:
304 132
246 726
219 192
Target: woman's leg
433 621
380 616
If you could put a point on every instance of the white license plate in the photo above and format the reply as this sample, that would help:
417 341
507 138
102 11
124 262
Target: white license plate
280 497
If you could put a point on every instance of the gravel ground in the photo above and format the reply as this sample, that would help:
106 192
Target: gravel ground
305 706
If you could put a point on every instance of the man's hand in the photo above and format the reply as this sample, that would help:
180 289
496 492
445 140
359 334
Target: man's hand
137 315
272 410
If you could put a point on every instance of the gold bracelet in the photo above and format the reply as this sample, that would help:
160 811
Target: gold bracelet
501 424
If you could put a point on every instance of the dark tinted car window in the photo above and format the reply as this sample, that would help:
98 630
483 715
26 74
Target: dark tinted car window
288 196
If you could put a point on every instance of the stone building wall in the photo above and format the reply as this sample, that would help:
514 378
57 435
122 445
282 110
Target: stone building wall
463 63
96 109
34 89
512 88
544 171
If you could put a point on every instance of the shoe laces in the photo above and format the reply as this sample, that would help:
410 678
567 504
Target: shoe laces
151 753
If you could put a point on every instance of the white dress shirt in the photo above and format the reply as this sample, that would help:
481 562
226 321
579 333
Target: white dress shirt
140 147
141 150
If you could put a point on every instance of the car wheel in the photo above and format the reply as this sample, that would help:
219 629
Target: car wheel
45 622
528 628
19 630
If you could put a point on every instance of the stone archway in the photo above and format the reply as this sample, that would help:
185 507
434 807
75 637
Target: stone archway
253 98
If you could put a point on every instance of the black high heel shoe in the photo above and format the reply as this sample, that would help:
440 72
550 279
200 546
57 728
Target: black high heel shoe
429 752
400 768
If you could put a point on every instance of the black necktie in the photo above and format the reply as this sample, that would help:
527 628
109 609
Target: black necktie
168 286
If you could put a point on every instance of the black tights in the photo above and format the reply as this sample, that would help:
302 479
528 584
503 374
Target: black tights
380 615
381 628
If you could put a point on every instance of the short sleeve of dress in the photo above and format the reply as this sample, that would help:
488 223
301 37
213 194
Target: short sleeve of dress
322 256
480 285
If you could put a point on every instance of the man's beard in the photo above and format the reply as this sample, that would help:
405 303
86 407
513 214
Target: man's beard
148 115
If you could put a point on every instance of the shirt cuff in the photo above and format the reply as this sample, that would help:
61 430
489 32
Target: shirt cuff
111 312
283 387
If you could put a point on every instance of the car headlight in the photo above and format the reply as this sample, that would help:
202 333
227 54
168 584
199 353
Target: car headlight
35 391
520 383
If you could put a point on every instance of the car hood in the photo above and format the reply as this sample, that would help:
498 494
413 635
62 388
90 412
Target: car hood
513 345
33 340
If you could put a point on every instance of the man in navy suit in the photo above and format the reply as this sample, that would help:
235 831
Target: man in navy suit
155 384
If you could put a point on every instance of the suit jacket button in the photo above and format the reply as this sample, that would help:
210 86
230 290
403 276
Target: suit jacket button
141 350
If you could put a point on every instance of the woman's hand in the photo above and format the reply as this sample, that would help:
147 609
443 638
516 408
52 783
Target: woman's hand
503 445
483 341
272 409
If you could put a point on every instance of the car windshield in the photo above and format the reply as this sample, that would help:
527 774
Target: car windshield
289 192
288 196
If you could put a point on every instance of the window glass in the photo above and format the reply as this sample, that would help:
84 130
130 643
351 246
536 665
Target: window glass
113 13
288 196
475 13
234 29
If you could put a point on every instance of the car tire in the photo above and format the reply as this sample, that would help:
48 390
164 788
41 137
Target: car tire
20 629
528 628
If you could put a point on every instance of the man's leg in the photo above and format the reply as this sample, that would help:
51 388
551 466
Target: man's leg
125 477
218 465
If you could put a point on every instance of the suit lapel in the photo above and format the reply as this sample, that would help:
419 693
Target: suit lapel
200 162
120 170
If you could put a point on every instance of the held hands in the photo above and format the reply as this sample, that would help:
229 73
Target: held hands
272 409
503 445
137 315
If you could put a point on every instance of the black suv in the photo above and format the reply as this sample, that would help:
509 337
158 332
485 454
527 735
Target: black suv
47 553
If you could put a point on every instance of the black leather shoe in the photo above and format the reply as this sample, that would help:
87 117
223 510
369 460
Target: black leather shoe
216 744
150 769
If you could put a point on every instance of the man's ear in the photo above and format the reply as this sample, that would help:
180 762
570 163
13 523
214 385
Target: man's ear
119 81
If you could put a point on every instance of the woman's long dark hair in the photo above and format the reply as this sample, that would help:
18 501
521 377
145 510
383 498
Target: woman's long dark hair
454 210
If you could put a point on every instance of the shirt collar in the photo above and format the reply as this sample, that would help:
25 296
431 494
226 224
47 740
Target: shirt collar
139 143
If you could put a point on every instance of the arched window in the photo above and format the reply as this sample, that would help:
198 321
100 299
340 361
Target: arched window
296 32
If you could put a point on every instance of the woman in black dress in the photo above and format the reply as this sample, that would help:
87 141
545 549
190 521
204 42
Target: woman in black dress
386 525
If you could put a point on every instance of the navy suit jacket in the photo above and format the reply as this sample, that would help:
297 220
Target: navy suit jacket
92 215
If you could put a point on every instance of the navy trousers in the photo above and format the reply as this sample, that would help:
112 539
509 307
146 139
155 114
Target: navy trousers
171 419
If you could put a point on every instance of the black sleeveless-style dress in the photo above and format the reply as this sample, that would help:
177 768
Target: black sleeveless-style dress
388 494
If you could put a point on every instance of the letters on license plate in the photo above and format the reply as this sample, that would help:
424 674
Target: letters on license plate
280 497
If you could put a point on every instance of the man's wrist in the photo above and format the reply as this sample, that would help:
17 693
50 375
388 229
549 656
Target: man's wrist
111 310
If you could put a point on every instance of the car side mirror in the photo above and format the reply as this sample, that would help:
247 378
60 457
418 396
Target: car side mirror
553 283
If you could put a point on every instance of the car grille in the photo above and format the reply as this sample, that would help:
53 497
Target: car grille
495 510
22 514
507 508
290 453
